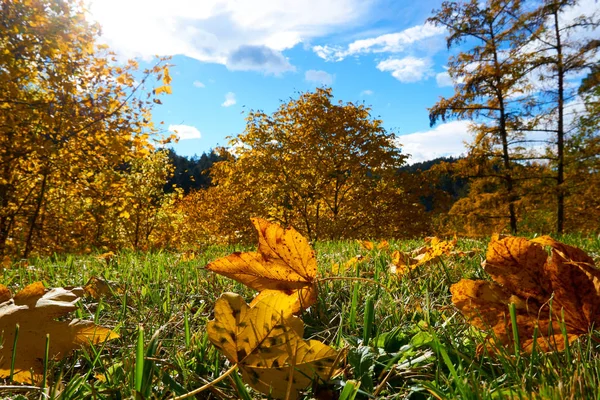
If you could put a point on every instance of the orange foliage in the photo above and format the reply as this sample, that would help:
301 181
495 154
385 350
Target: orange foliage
543 289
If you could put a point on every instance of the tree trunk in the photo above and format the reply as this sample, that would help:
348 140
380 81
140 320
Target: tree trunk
34 217
560 132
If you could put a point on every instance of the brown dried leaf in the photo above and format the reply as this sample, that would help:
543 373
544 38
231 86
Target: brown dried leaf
542 288
575 282
98 287
518 265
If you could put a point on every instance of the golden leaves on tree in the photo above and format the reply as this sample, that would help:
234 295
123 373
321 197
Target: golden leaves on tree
544 289
36 310
63 189
266 341
284 262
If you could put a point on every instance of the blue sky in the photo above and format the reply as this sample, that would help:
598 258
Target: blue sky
233 56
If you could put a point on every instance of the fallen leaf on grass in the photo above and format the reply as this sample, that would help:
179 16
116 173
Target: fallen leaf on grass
284 261
106 257
368 245
35 309
98 287
338 269
542 288
265 341
189 255
403 262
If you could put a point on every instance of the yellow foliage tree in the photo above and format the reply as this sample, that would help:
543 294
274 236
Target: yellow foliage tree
328 169
70 115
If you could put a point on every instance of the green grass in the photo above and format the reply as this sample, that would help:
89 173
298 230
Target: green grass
404 340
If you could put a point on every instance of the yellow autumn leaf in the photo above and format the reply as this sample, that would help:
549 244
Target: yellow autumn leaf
163 89
543 289
337 269
367 245
98 287
35 310
106 257
189 255
383 245
284 261
166 76
266 342
5 262
403 262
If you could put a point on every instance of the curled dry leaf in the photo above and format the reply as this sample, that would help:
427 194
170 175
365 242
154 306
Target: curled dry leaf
106 257
98 287
35 309
284 262
368 245
543 289
338 269
403 262
265 341
5 262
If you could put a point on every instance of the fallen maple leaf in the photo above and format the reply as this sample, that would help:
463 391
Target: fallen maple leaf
542 288
337 269
403 262
265 341
284 262
35 309
368 245
98 287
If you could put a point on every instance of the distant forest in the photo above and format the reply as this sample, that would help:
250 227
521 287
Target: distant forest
193 173
190 172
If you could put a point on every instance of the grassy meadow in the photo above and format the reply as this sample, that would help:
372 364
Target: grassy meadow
405 339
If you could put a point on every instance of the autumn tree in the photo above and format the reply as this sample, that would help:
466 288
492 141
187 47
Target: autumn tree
488 74
70 116
327 168
561 47
143 198
582 160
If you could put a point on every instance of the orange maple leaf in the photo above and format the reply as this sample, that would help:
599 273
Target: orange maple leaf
284 262
543 288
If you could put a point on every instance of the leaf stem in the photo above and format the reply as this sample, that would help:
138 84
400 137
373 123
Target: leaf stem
352 278
201 388
14 353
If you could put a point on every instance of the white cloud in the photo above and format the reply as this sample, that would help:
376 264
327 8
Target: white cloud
320 77
185 131
442 141
389 43
443 79
198 84
229 100
258 58
367 92
407 69
248 35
